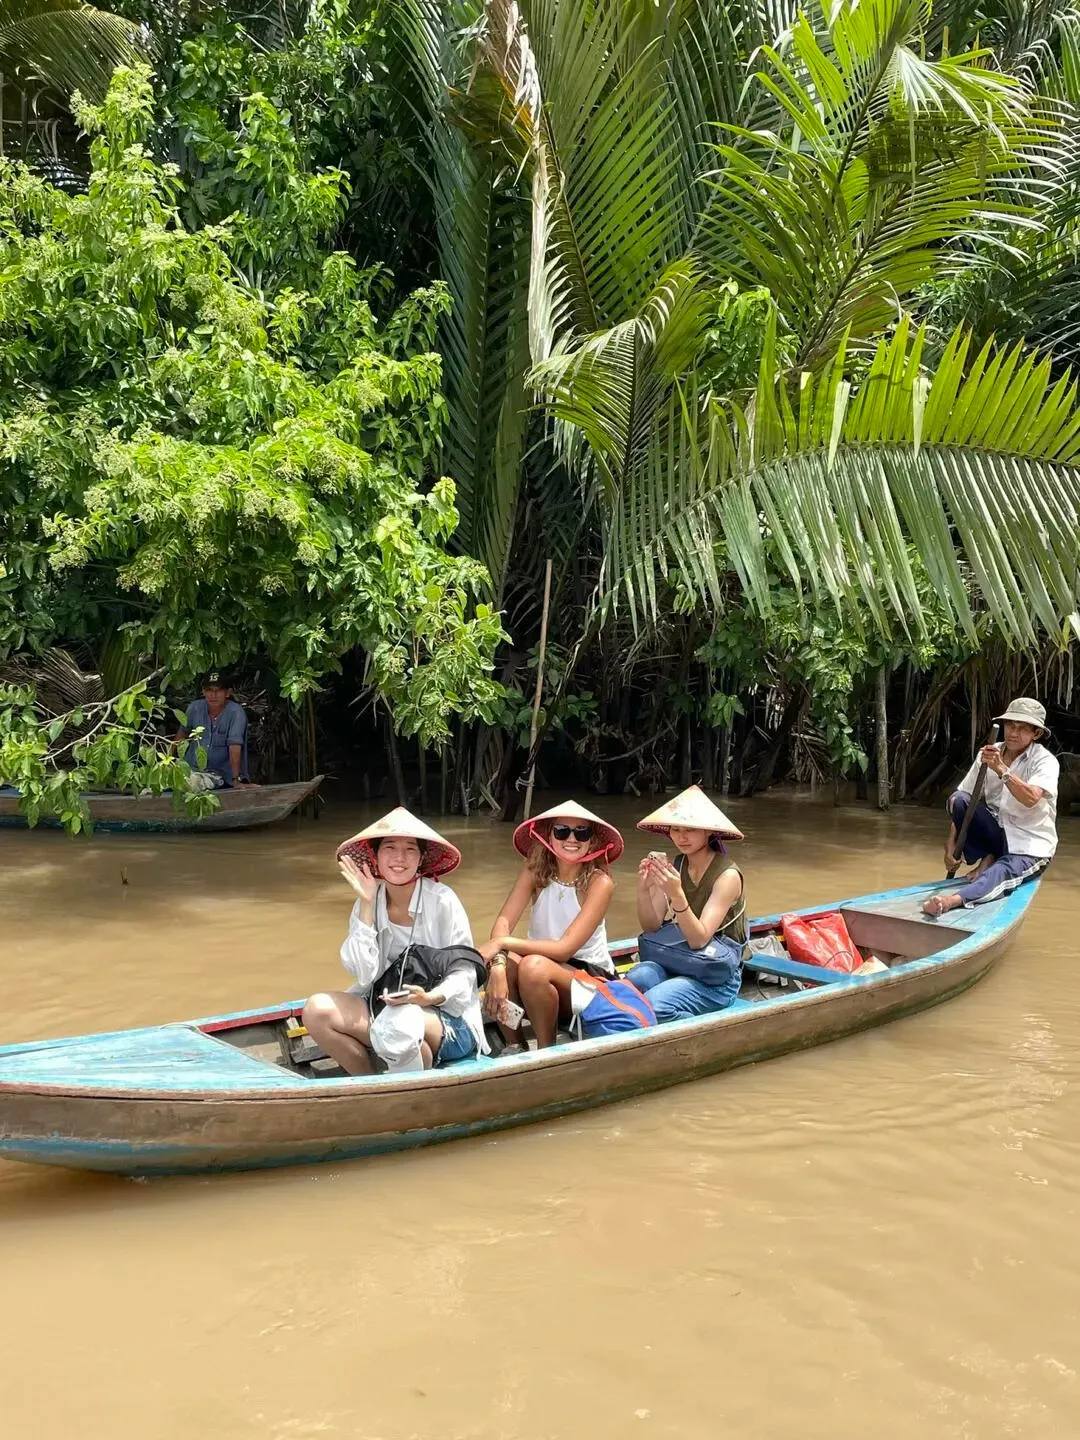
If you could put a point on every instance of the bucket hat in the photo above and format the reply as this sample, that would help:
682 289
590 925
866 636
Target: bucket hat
439 857
1026 711
693 810
610 841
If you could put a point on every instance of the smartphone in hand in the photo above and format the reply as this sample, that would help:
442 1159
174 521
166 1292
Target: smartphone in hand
509 1014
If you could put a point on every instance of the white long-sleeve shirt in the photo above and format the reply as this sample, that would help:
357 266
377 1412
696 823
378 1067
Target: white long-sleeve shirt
438 920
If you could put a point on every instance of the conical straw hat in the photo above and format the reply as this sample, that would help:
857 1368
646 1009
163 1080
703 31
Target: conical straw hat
439 857
693 810
610 841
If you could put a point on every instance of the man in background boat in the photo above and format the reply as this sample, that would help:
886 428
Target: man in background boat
223 724
1013 833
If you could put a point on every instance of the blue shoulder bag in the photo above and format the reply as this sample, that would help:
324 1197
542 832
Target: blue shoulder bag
715 964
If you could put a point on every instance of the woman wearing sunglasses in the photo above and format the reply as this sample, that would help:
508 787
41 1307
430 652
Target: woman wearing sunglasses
567 851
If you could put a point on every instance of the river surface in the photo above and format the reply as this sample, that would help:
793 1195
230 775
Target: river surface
874 1239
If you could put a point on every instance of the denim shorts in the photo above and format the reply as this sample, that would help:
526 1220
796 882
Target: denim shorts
458 1041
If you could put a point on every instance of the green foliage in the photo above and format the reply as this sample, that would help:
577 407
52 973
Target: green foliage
301 136
803 646
721 286
561 709
53 759
227 474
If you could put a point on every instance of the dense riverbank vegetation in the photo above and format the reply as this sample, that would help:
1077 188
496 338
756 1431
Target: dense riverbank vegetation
755 321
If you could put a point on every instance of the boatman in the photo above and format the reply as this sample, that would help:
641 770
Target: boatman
224 736
1013 832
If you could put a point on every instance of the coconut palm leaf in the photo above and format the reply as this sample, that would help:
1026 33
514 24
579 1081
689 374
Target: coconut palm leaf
1034 40
586 89
975 467
68 45
482 219
886 158
485 240
1029 286
854 164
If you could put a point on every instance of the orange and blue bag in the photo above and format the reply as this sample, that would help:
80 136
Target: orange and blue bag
616 1006
821 940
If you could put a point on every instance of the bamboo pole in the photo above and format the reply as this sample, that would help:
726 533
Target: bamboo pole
881 721
539 688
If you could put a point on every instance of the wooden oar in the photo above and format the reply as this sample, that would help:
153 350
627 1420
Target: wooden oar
973 804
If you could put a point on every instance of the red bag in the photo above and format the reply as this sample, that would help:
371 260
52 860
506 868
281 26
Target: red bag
820 940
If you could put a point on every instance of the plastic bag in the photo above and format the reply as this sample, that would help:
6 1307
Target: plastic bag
821 940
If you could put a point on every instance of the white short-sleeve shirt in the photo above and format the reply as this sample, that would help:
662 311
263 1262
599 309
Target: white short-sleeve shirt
1029 829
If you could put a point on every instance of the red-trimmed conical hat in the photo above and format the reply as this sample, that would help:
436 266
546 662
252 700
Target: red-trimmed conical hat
439 857
693 810
611 846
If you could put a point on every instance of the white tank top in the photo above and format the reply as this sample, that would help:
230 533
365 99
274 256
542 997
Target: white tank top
554 910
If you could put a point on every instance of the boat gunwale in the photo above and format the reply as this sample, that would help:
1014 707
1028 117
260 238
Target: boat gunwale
157 810
477 1071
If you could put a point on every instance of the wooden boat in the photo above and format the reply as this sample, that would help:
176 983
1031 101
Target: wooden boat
241 808
221 1094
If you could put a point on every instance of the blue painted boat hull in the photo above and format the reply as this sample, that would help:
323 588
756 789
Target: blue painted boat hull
180 1098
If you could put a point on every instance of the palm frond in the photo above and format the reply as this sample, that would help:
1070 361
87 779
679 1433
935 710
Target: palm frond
587 90
59 681
973 468
482 219
886 159
69 45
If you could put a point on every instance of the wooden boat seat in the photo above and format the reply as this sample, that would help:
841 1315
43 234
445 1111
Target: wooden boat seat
792 969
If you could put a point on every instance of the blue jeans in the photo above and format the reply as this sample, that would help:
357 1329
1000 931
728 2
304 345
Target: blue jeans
986 837
458 1041
677 997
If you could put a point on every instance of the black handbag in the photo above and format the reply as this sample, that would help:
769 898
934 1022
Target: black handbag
426 966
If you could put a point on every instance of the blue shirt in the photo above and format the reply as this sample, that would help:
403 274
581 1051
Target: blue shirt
229 728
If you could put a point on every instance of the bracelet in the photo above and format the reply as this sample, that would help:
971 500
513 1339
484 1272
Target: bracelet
498 959
682 911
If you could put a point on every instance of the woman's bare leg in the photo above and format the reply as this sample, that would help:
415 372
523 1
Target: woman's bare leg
433 1038
340 1023
544 986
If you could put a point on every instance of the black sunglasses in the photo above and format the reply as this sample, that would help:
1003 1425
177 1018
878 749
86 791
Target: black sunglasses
579 832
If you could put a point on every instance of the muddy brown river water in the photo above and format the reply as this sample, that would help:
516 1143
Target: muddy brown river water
874 1239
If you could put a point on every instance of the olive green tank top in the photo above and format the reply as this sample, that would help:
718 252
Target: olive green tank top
734 925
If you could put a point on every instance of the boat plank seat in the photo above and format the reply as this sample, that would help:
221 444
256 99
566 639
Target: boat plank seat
901 928
792 969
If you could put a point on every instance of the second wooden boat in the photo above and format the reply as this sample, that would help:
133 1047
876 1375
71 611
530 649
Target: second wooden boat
222 1093
241 808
